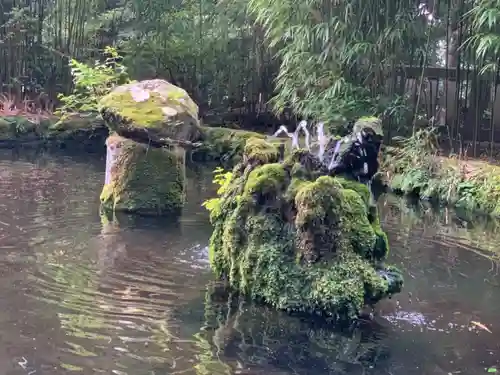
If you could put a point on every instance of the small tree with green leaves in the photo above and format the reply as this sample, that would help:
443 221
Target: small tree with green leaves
91 83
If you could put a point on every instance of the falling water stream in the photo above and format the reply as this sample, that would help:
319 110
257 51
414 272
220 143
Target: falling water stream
88 294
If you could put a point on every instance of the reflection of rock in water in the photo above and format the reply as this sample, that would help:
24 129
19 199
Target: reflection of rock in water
113 242
243 335
113 246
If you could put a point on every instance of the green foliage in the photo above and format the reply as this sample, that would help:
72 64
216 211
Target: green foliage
330 60
210 48
415 167
222 179
485 38
334 58
92 82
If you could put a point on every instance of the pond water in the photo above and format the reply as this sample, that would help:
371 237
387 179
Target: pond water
87 294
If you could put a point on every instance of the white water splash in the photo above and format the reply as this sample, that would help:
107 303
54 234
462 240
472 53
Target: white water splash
322 140
295 140
283 129
333 161
302 127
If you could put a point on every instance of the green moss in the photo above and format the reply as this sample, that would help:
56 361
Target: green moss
144 180
315 199
381 248
358 187
147 113
76 123
259 151
356 224
7 128
296 156
299 171
224 144
169 112
264 180
75 132
293 188
304 244
473 186
19 126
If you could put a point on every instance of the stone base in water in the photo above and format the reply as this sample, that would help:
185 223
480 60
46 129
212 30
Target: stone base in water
141 179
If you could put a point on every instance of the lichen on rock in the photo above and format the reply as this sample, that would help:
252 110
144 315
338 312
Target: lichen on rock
153 108
142 179
297 238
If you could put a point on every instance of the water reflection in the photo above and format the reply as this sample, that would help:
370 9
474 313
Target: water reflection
250 337
89 293
117 305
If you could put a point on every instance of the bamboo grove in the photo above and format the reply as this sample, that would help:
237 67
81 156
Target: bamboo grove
322 59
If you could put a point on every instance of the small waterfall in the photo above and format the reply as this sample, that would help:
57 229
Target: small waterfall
322 140
283 129
327 154
302 126
295 136
333 160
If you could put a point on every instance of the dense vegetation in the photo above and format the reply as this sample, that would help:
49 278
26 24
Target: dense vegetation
241 61
326 60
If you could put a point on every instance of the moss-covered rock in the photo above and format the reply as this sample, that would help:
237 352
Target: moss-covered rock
154 109
223 144
143 180
74 132
298 239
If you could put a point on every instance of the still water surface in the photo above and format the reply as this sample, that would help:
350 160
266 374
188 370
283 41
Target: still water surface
85 294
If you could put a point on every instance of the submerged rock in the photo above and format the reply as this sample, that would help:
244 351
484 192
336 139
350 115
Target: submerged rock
142 179
301 240
151 110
